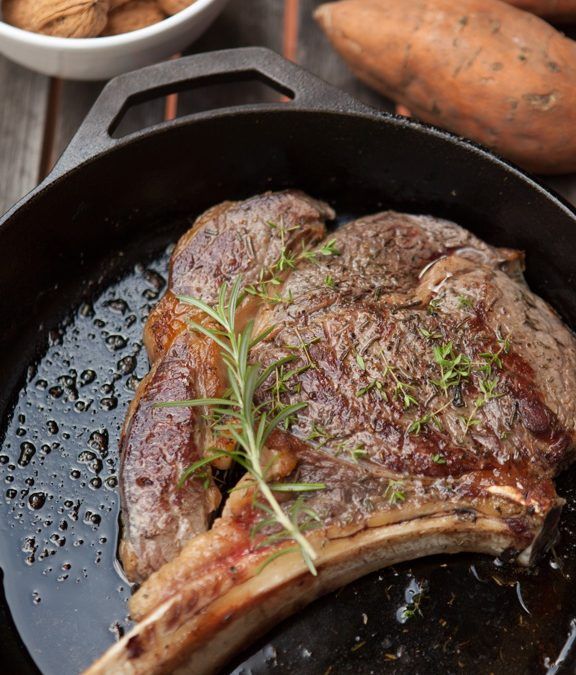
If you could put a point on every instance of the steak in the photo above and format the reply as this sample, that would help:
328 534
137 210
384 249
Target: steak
440 406
157 444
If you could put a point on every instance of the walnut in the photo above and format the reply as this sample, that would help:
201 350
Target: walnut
117 3
175 6
133 15
62 18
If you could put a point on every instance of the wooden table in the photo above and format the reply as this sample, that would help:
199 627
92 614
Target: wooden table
39 115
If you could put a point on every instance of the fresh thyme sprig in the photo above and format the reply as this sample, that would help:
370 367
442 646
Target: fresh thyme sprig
402 390
453 367
428 334
457 368
247 423
395 492
287 260
376 386
488 392
431 416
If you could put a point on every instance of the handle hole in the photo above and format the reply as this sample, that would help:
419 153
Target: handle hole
215 92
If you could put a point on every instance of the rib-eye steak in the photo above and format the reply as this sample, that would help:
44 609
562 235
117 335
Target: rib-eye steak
439 405
157 445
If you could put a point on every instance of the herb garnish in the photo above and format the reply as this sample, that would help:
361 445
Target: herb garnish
414 596
329 248
434 305
464 302
358 453
432 416
456 368
249 424
453 367
304 347
287 260
360 361
430 335
375 385
402 390
394 492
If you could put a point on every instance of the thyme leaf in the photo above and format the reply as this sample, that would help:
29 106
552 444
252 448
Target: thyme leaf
465 302
360 361
395 492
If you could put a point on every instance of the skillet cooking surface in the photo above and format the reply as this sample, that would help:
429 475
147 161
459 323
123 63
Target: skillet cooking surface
59 529
62 416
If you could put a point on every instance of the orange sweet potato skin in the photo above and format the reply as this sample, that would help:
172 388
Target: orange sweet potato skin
556 10
480 68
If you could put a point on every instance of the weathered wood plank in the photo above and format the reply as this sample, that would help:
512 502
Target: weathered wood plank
22 121
262 25
315 53
76 99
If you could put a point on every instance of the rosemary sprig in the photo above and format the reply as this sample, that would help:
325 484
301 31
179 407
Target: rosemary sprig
248 424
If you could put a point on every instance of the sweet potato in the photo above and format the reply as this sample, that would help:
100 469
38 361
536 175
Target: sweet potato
480 68
555 10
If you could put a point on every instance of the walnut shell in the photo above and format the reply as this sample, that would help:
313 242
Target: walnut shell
133 15
175 6
61 18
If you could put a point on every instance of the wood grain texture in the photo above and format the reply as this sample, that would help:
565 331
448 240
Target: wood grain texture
262 25
76 99
22 120
315 53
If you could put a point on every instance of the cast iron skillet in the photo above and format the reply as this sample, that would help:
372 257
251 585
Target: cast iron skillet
82 259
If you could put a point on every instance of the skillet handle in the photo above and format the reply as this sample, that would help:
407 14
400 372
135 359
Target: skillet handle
232 65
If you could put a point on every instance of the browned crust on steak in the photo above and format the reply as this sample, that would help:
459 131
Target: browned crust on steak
158 444
402 285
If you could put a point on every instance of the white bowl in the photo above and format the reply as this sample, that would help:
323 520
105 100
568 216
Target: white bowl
100 58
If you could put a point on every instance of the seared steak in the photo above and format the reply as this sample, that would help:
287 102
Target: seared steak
440 405
158 516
